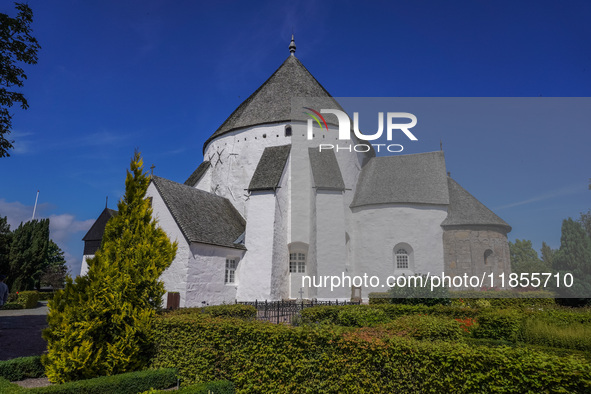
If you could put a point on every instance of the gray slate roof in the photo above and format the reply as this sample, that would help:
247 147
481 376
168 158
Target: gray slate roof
271 102
415 179
98 228
94 236
197 174
325 170
465 209
270 168
202 217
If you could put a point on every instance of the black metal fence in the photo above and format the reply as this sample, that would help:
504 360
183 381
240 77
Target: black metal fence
283 311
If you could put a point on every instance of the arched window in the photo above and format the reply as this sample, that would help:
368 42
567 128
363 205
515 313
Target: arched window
403 257
488 257
288 130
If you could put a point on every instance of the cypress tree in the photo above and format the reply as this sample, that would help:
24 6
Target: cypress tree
574 257
101 323
28 252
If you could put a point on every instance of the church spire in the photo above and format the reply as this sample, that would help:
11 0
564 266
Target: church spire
292 46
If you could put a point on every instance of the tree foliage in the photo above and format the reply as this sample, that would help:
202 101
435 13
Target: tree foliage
17 46
5 241
524 258
28 252
547 254
54 268
574 257
101 323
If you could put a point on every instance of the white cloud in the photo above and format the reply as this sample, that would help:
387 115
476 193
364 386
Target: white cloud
565 191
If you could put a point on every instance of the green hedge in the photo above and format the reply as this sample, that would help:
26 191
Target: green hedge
230 310
427 327
502 324
28 299
10 388
262 357
11 305
22 368
131 382
330 314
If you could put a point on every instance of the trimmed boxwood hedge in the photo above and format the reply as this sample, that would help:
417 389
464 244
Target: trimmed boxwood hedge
230 310
131 382
22 368
28 299
263 357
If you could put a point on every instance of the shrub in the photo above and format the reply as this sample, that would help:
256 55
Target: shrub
575 336
231 310
379 298
10 388
321 314
12 305
22 368
499 324
506 298
28 299
131 382
261 357
360 316
46 295
426 327
101 323
217 387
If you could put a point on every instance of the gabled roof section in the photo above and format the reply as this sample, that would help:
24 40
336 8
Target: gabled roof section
464 209
325 170
198 173
271 103
270 168
98 228
202 217
406 179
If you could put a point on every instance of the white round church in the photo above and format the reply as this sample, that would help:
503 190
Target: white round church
267 208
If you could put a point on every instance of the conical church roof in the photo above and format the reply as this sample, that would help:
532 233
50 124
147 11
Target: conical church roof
271 103
464 209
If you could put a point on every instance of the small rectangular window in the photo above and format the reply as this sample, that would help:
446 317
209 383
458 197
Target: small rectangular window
230 271
297 263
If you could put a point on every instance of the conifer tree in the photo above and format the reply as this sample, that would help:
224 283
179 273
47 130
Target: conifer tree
574 257
100 324
28 252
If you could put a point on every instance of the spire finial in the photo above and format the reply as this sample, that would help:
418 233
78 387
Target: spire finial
292 46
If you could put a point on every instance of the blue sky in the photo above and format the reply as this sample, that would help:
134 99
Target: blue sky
163 75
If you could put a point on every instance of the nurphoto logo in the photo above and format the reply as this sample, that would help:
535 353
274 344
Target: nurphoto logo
344 122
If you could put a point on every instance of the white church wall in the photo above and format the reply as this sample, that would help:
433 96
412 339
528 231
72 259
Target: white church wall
84 266
280 261
256 267
205 182
234 157
206 275
331 255
378 229
175 276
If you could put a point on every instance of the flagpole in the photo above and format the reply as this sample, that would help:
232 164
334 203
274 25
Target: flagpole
35 207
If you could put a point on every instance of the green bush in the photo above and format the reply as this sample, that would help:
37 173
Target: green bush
360 316
505 298
236 310
46 295
575 336
499 324
28 299
260 357
131 382
22 368
10 388
427 327
377 298
11 306
320 314
217 387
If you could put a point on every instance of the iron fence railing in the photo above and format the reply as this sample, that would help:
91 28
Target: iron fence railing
283 311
